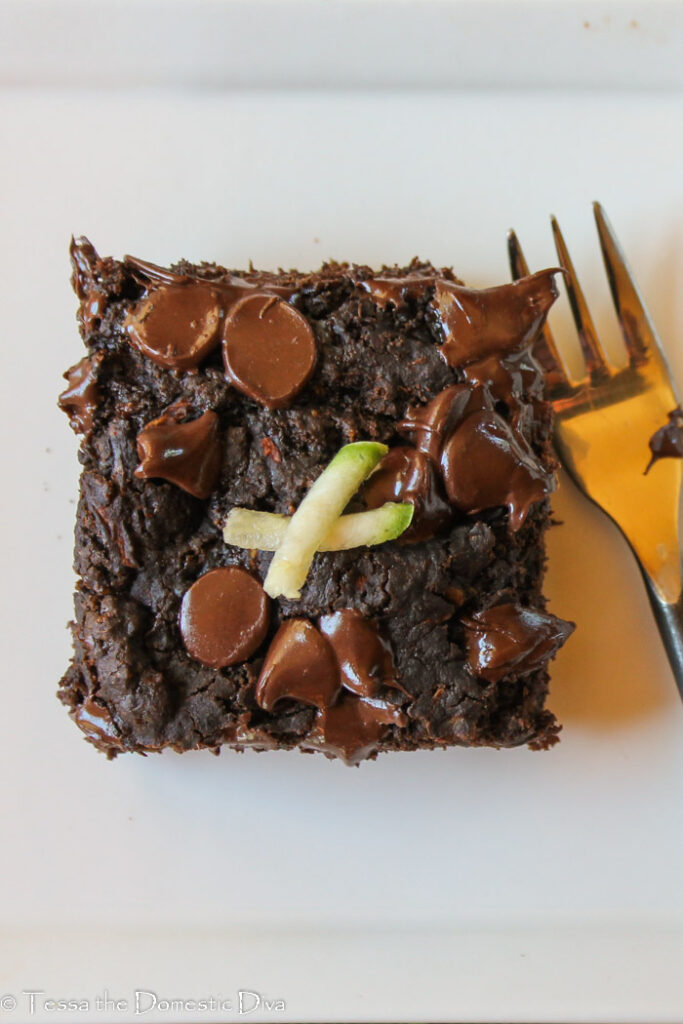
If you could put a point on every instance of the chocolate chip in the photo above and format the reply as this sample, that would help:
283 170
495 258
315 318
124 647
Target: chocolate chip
177 325
301 665
353 728
80 400
477 323
485 463
224 617
428 426
508 638
406 474
364 657
269 349
186 454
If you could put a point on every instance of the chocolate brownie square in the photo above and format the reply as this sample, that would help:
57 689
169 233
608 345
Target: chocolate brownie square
383 433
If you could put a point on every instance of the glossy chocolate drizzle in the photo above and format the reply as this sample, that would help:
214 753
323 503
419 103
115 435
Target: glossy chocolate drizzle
508 638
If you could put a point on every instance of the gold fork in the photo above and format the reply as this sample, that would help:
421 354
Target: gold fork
604 422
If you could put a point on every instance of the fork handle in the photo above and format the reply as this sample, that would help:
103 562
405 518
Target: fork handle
669 619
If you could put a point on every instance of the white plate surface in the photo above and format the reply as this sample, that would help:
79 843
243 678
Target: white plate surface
467 885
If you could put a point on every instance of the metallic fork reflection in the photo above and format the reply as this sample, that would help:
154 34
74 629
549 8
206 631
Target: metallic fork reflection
604 422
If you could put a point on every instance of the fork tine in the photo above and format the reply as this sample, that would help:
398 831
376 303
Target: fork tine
637 329
545 350
596 362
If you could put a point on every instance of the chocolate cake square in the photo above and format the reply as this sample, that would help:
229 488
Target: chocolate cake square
383 433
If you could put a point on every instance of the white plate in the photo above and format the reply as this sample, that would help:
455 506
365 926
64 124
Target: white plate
468 885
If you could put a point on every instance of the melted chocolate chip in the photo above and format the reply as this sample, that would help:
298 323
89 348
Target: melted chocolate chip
428 426
396 290
269 349
152 272
176 325
186 454
230 287
243 734
485 463
95 721
510 379
364 657
353 728
509 638
300 665
667 442
86 263
406 474
81 398
478 323
224 617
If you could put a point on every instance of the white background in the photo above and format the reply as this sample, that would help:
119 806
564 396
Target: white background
476 884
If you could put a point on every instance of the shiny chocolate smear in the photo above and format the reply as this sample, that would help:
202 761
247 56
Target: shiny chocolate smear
224 617
395 290
230 287
428 426
269 350
511 639
81 397
485 463
363 655
667 442
93 298
188 454
95 721
478 323
510 379
151 272
243 734
176 325
406 474
353 728
300 665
